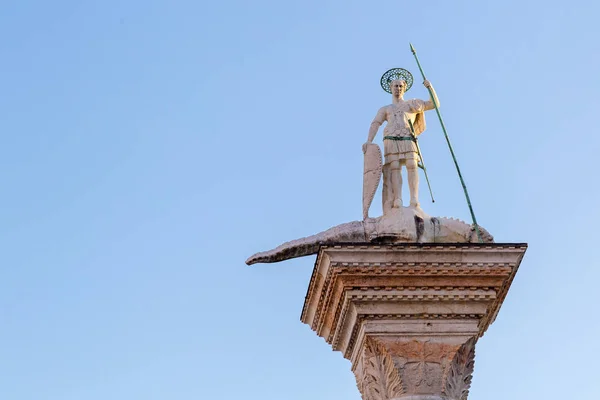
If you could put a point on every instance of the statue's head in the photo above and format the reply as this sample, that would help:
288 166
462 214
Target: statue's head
398 87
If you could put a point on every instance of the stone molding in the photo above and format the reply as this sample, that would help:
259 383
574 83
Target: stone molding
408 273
408 315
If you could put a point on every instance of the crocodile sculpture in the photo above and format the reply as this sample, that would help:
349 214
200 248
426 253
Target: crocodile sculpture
404 225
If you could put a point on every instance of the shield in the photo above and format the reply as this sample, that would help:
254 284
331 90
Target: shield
372 175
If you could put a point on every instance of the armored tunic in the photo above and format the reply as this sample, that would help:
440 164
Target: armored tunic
397 143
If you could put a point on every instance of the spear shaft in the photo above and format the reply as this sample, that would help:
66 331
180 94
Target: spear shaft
462 181
422 165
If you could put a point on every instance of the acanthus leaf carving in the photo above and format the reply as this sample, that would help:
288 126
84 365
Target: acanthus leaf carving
381 380
358 373
460 373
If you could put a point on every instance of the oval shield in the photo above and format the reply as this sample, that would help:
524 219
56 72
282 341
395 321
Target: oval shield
371 175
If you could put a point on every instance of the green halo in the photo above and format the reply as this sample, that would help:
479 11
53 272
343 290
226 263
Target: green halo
396 74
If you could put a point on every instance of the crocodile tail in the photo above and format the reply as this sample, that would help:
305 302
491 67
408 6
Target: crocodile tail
345 233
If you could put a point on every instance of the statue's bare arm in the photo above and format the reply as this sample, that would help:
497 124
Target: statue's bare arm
429 105
377 122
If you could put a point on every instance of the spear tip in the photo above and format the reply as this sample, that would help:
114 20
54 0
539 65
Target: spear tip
412 49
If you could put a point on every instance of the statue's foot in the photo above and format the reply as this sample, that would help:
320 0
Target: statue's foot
415 204
397 203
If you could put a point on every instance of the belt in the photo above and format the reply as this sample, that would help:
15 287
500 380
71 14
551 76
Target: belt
399 138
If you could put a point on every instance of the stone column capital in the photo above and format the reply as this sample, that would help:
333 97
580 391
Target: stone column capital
408 316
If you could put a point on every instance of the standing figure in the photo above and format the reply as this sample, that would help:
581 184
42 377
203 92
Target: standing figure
399 147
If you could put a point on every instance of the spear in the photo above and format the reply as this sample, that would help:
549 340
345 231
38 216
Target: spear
437 110
422 163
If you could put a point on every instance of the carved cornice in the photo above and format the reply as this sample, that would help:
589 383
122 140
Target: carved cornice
334 272
461 269
420 294
406 249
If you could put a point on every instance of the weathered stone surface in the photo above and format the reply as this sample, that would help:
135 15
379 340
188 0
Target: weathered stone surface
408 316
399 225
405 120
378 377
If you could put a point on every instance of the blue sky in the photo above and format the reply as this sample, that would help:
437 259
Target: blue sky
148 148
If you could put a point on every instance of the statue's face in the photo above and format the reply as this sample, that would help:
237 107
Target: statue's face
398 87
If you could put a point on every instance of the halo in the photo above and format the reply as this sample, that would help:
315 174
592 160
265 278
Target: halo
394 74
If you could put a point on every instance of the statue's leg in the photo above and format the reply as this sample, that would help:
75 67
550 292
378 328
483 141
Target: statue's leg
396 181
386 196
413 181
391 183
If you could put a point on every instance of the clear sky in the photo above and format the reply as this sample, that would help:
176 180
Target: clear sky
149 147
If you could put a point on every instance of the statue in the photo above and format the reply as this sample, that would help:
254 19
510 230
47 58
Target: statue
405 121
399 143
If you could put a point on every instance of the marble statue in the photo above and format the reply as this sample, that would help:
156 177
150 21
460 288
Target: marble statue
399 143
398 224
